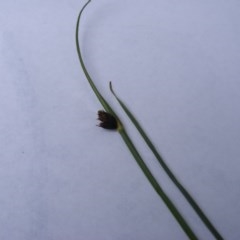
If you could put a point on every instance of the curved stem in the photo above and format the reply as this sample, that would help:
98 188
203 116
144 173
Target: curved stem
101 99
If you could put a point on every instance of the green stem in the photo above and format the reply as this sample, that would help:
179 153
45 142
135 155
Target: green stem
101 99
181 188
186 228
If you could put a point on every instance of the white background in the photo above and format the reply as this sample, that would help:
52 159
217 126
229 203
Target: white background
174 63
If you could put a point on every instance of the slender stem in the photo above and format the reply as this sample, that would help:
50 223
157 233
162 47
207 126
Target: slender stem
101 99
157 187
181 188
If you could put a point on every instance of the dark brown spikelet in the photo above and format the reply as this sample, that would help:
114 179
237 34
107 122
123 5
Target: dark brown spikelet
108 121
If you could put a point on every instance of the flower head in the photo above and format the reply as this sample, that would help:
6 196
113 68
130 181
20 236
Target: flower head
108 121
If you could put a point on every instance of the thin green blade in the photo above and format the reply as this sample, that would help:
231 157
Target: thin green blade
181 188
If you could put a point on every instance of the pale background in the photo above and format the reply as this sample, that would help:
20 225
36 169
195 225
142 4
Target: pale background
174 63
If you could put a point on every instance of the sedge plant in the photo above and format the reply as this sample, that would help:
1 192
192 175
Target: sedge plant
110 120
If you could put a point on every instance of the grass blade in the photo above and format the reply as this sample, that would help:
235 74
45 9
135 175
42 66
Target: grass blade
101 99
181 188
187 229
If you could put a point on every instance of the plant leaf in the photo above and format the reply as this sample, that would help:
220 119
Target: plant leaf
168 171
